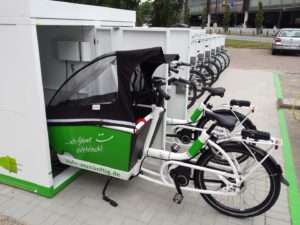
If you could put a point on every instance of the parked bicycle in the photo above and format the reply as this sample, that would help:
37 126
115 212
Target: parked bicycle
110 130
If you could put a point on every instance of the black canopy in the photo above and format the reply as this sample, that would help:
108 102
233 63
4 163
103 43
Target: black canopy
133 66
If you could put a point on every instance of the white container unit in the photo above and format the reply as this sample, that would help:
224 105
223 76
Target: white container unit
172 41
208 47
197 46
223 42
41 43
213 44
220 43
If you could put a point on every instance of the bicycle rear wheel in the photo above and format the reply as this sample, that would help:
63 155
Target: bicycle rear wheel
218 62
189 85
192 94
257 194
205 72
226 56
222 60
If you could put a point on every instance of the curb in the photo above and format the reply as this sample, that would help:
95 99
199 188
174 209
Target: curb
293 191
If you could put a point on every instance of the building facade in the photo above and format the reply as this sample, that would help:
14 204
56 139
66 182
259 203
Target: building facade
281 13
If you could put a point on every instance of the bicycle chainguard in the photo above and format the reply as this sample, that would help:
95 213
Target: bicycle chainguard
178 198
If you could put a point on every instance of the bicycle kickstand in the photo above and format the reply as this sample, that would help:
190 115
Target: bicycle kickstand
104 197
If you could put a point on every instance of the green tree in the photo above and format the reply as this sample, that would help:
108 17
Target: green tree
144 12
204 17
259 18
166 12
226 19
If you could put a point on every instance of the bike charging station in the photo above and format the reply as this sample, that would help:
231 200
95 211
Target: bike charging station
172 40
198 47
42 46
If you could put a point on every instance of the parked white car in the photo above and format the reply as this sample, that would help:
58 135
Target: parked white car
287 39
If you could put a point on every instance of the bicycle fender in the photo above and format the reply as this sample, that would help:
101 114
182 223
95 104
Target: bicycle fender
262 153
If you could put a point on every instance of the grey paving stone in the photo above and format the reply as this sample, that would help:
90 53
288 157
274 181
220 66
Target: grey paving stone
184 217
117 220
36 216
23 211
52 219
133 222
271 221
90 202
147 215
97 221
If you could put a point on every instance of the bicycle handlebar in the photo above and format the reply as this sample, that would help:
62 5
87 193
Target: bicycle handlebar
173 70
183 64
163 93
158 82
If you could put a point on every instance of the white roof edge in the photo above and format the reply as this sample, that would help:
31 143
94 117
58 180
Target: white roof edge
46 9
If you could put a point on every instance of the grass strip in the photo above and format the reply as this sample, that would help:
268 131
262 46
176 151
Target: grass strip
248 44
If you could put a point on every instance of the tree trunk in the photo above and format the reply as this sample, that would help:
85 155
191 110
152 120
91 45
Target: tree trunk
245 20
208 20
246 6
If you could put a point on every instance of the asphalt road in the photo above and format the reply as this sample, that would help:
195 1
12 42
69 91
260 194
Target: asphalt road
262 59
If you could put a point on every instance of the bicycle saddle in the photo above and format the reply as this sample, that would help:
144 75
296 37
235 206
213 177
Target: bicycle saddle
218 91
226 121
239 103
255 134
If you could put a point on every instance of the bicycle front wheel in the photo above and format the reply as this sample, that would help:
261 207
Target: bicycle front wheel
226 56
258 192
199 81
218 62
205 72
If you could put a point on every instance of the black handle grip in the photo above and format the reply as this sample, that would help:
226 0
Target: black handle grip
184 81
173 70
163 93
184 64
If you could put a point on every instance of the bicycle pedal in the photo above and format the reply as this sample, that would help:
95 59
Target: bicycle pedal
178 198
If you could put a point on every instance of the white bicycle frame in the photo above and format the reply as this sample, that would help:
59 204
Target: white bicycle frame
192 126
171 158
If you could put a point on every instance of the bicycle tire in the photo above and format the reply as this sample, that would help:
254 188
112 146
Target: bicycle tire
192 99
227 58
272 175
203 71
218 62
215 69
192 89
222 60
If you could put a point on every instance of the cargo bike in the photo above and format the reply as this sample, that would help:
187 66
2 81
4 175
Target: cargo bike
104 119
